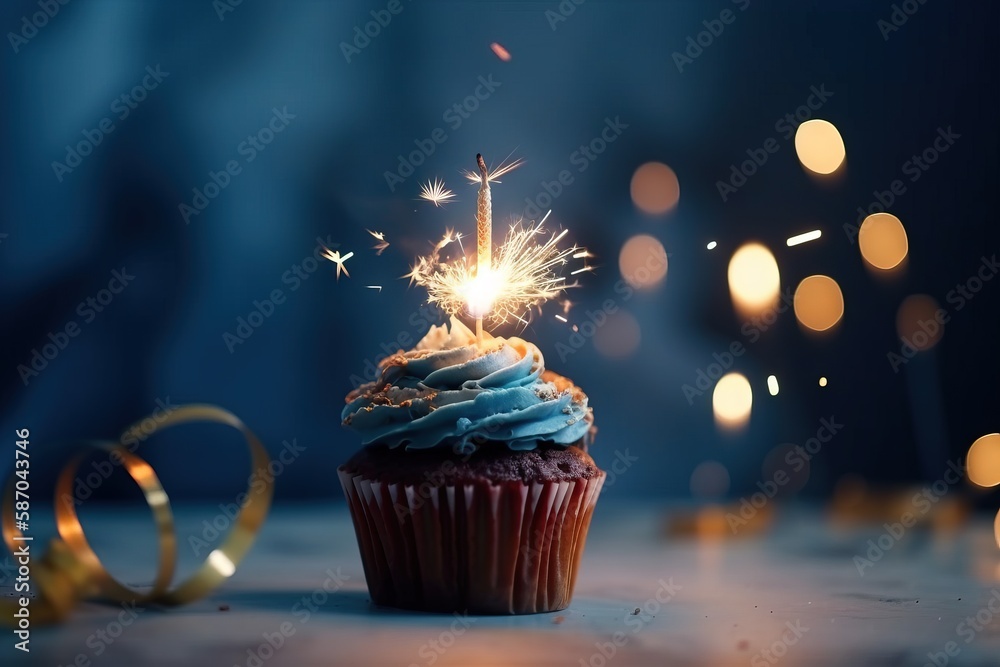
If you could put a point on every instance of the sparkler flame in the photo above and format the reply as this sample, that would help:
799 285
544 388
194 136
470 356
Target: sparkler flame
504 284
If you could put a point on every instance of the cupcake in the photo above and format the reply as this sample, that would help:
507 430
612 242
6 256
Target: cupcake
474 490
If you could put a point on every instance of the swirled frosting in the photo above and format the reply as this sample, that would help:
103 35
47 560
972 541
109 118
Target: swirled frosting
450 392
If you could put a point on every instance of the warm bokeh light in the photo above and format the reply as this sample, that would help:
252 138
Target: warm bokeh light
819 146
823 382
501 53
619 337
754 280
709 480
221 563
818 303
643 261
799 239
983 461
655 189
882 240
772 385
732 401
919 321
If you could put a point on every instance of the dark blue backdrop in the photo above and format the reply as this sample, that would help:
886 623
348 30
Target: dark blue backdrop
210 75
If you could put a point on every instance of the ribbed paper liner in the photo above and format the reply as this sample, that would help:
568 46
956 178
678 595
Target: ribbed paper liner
481 548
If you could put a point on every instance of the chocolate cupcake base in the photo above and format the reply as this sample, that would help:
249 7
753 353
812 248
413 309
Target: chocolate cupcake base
499 533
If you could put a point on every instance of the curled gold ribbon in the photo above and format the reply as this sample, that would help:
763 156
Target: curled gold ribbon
70 571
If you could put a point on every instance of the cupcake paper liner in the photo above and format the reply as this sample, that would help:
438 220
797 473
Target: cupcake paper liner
481 547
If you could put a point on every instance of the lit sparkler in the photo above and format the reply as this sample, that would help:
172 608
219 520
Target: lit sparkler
523 272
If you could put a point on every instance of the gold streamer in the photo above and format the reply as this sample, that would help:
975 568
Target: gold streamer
70 571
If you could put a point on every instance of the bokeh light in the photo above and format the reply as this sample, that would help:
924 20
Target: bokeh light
918 323
883 242
643 261
732 401
501 53
655 189
711 245
754 280
819 146
823 381
983 461
818 303
619 337
772 385
709 480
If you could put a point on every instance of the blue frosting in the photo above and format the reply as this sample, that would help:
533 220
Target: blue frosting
449 392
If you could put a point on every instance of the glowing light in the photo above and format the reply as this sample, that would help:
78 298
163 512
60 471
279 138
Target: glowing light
501 53
822 382
754 280
732 401
619 337
655 189
819 146
818 303
643 261
711 245
983 461
804 238
920 322
561 318
221 563
377 287
382 243
772 385
883 241
334 256
709 480
524 274
435 192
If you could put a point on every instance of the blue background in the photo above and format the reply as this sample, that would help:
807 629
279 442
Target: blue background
324 176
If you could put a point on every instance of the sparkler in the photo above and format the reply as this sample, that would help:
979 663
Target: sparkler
523 273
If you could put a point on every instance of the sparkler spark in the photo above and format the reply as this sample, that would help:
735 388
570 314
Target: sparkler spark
378 287
382 243
435 192
493 175
525 272
334 256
